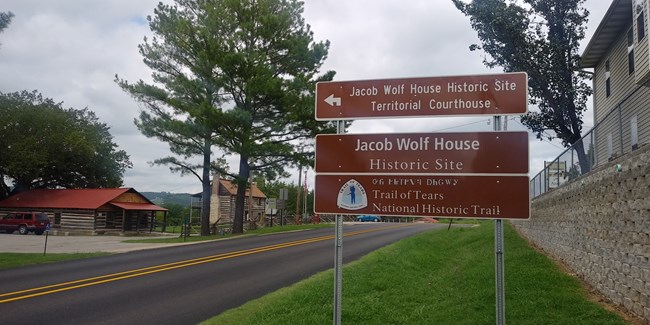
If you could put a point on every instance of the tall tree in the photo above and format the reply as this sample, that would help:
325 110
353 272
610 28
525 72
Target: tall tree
187 136
44 146
241 72
540 37
5 19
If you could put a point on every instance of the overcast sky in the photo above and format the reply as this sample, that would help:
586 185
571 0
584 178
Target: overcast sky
70 51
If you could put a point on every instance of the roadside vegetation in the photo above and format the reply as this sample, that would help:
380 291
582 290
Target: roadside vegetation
11 260
439 277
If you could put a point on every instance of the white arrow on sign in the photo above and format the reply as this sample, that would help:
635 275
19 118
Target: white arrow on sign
333 101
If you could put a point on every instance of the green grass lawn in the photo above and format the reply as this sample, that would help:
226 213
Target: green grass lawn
10 260
439 277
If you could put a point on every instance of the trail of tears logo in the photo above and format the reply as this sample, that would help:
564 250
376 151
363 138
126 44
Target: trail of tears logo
352 196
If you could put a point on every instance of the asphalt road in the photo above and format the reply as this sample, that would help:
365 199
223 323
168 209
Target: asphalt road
183 284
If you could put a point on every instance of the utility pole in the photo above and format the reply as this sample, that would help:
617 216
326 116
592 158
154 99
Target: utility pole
298 218
251 218
306 192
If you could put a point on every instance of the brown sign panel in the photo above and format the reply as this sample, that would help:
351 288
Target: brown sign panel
497 94
490 197
423 153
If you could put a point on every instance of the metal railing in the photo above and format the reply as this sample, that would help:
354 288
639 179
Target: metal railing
612 137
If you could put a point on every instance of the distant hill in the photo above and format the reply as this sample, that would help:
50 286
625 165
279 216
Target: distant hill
160 198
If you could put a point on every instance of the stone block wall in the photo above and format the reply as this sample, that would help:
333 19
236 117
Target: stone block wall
599 226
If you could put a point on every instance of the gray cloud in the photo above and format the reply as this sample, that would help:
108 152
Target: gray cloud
70 50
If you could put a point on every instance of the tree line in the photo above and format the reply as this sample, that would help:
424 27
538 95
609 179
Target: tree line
178 204
44 145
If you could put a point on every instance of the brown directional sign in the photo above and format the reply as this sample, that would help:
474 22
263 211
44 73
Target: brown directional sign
490 197
497 94
423 153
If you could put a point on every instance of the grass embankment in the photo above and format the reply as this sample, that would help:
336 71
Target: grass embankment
440 277
260 231
11 260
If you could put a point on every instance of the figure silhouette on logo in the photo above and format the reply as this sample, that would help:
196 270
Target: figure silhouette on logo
352 196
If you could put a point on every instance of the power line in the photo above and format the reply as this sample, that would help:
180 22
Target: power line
542 138
458 126
514 118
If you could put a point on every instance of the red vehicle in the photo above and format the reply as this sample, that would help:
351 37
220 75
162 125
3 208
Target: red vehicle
25 222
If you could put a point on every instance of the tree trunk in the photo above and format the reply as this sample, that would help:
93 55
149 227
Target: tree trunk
207 190
583 159
4 189
242 184
20 186
578 145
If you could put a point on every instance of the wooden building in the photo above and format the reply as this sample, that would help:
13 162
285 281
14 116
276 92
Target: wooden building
619 54
222 202
88 211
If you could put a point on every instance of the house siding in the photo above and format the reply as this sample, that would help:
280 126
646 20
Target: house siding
130 198
620 78
227 208
223 202
627 100
641 49
77 218
79 221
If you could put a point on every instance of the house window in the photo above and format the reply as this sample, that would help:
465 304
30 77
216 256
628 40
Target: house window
608 86
610 146
640 20
634 133
630 51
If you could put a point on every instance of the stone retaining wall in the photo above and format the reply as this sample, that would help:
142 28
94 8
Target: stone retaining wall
599 226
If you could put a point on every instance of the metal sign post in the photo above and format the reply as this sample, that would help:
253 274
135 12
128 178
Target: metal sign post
338 270
498 257
47 232
338 255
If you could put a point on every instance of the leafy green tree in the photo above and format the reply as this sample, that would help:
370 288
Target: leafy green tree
187 137
540 37
161 198
272 190
176 214
5 19
237 75
44 146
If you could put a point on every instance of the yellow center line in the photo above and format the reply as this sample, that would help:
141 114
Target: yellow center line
76 284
